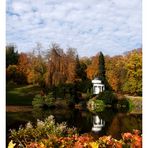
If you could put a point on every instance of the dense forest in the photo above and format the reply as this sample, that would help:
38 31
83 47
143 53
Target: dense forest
56 67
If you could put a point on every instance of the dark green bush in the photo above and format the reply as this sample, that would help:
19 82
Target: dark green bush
83 86
123 102
43 101
108 97
89 94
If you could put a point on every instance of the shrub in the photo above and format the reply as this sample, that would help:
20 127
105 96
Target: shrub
43 130
108 97
135 104
123 105
83 86
99 105
95 105
43 101
89 94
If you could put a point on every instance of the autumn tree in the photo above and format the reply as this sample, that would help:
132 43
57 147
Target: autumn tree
92 67
115 72
56 66
124 72
14 74
71 65
60 67
133 80
13 71
32 76
23 62
36 67
24 65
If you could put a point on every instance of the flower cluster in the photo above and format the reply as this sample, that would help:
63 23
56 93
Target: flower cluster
47 134
135 140
43 130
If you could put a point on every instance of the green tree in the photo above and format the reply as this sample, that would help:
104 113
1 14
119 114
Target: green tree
102 71
11 55
101 66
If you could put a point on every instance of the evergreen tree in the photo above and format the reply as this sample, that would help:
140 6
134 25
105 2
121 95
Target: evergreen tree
102 70
11 55
101 66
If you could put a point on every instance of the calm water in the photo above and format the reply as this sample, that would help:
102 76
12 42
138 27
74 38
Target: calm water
115 122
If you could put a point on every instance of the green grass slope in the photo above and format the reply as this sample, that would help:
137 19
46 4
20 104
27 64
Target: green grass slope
21 95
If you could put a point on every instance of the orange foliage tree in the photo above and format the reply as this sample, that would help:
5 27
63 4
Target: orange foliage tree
92 69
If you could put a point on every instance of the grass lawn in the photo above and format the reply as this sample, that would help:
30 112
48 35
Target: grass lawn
21 95
136 103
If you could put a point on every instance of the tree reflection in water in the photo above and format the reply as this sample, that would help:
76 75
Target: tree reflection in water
108 122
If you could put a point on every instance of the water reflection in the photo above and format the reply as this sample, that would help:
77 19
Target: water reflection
108 122
98 123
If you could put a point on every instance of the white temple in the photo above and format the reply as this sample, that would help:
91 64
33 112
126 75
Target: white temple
97 86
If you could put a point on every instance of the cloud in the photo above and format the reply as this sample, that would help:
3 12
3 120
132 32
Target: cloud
110 26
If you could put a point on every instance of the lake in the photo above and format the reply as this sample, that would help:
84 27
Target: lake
115 122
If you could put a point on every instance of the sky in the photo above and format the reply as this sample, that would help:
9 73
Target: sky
90 26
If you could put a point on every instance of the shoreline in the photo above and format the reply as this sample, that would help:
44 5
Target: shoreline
18 108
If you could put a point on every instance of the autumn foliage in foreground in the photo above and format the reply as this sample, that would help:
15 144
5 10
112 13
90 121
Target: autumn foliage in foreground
48 134
129 140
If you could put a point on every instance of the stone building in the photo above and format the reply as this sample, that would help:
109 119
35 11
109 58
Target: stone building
97 86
